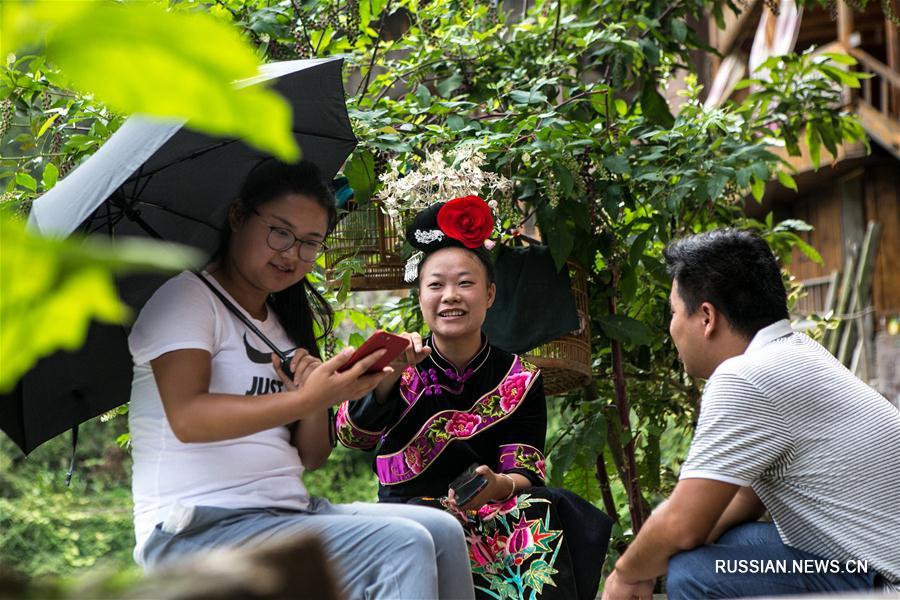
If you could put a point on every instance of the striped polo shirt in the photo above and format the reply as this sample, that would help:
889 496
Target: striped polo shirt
819 447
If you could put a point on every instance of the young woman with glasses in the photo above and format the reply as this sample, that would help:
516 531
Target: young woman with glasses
221 436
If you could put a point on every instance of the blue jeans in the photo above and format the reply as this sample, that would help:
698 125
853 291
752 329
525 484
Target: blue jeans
736 566
378 550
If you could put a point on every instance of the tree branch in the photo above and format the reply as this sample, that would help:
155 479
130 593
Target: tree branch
384 16
556 26
635 500
298 10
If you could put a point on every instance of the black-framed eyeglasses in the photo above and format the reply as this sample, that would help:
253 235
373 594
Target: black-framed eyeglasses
281 240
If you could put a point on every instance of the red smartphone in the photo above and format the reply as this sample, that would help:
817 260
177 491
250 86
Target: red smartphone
394 345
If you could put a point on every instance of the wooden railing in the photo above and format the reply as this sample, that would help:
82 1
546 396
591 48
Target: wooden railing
879 100
818 295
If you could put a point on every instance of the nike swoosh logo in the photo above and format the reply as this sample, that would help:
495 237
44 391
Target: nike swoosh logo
260 358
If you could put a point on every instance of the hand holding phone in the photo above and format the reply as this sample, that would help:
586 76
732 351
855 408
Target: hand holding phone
467 485
393 345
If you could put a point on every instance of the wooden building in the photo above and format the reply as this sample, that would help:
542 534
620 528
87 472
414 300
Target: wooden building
850 190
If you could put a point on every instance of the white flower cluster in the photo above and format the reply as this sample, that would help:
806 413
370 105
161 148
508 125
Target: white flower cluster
437 181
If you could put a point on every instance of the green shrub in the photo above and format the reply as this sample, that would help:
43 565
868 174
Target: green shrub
47 528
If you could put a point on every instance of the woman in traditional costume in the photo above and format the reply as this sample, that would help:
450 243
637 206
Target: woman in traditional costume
456 401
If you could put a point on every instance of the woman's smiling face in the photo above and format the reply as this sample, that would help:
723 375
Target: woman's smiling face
454 293
267 269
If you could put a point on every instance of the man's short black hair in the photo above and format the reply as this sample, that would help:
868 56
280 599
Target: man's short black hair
733 270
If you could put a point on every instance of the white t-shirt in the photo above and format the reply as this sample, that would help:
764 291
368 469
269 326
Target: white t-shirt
259 470
819 447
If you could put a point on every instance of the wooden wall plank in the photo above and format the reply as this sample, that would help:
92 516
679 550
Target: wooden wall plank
883 205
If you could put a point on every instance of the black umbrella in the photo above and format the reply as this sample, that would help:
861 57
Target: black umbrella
158 179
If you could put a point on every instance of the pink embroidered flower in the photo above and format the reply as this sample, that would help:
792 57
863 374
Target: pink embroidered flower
512 390
480 552
407 376
414 460
497 544
341 420
520 539
492 509
508 505
462 424
541 467
488 511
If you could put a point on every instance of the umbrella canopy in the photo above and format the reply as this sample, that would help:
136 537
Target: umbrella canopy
157 178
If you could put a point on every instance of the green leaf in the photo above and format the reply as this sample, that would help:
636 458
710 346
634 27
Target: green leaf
563 457
639 245
446 86
423 95
679 30
140 58
617 164
655 107
810 252
539 573
788 224
566 181
787 181
628 283
838 57
559 236
26 181
814 144
46 125
360 174
839 76
51 174
716 184
719 16
580 477
523 97
757 188
625 329
52 289
456 122
651 51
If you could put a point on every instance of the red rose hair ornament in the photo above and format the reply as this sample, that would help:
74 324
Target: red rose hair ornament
467 219
465 222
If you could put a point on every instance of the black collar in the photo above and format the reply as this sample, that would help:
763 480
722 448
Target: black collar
475 363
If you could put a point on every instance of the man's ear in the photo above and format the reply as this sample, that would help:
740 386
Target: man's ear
492 294
712 319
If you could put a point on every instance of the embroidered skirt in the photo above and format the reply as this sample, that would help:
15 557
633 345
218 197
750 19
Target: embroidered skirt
524 548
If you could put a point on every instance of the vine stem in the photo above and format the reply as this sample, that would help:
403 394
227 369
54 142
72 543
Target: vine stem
384 16
606 489
298 9
635 503
556 26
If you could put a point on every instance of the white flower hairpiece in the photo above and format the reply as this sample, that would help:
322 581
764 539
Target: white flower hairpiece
436 181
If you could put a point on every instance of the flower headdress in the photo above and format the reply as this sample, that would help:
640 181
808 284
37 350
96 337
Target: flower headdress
439 176
465 222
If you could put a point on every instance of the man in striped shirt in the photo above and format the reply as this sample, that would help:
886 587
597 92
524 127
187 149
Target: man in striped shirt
783 428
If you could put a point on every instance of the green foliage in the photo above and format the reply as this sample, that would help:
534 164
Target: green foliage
346 477
52 289
137 58
47 529
801 93
141 58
